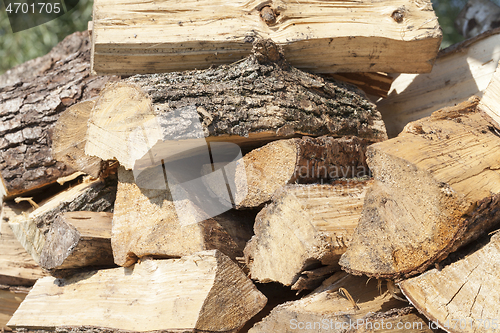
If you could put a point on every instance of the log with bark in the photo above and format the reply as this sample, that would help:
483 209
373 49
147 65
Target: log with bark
305 160
344 303
68 140
248 103
17 267
152 226
436 188
91 195
32 96
321 36
460 71
304 228
77 239
204 292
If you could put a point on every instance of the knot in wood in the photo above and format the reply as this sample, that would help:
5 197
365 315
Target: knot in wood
267 14
399 14
265 51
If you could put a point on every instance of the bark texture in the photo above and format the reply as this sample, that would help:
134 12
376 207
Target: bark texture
32 97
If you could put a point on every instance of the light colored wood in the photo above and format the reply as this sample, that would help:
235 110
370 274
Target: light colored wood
318 36
476 17
328 309
304 160
146 223
156 117
68 141
202 292
437 187
10 299
490 103
462 296
374 84
31 229
305 226
460 71
17 267
78 239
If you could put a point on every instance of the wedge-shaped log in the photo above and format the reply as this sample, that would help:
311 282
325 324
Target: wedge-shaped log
203 292
460 71
17 267
68 140
391 36
305 160
151 226
91 195
248 103
460 297
78 239
305 227
32 96
10 299
344 303
436 188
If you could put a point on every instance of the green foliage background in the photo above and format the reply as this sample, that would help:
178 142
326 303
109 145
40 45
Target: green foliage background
25 45
16 48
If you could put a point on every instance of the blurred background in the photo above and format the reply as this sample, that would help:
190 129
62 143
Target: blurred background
16 48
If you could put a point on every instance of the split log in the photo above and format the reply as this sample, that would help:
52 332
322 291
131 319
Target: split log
460 71
203 292
490 103
152 226
304 227
344 303
374 84
248 103
10 299
68 140
17 267
436 188
78 239
460 297
389 36
91 195
32 96
305 160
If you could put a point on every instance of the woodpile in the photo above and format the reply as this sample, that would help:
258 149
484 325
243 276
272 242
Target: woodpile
271 167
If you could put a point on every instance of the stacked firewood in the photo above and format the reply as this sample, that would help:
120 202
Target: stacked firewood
281 190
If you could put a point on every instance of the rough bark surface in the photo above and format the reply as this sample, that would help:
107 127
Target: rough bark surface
32 97
248 103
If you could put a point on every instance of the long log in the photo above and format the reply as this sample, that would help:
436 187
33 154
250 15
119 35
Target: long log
17 267
204 292
344 303
32 96
389 36
460 71
305 160
78 239
155 225
436 189
305 227
462 296
91 195
248 103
